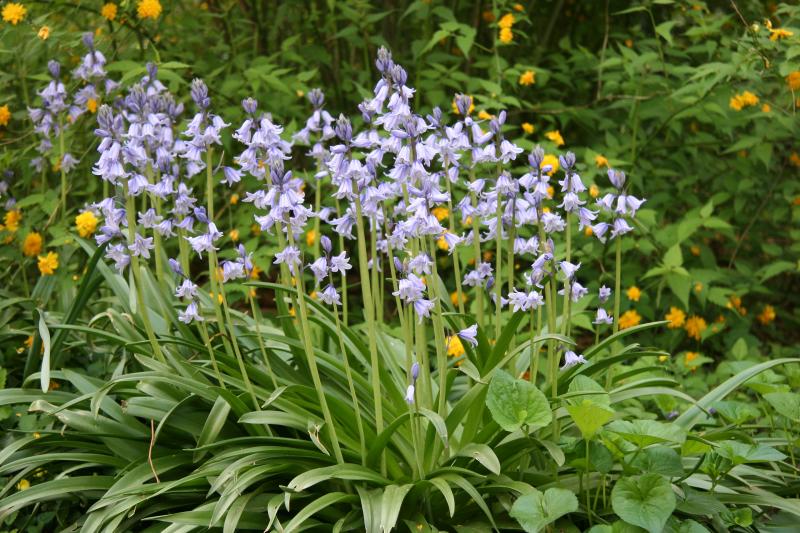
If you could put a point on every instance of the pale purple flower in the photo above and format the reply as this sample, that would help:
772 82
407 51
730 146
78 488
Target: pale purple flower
571 359
190 314
469 334
603 317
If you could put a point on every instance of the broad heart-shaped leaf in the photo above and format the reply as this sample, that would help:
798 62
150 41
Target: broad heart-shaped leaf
643 433
660 460
594 392
589 417
516 402
740 452
535 510
646 501
786 403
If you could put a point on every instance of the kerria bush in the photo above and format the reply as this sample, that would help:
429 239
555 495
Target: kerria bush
435 346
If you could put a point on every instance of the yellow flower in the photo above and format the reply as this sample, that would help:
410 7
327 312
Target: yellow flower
629 319
527 78
695 326
255 272
5 115
234 234
695 250
518 7
471 106
506 21
780 33
454 298
698 287
588 231
691 356
634 294
91 105
441 243
32 245
629 43
506 35
555 136
767 315
794 159
454 346
551 160
44 33
793 80
23 484
483 115
255 229
766 108
86 223
663 358
740 101
48 263
12 220
14 13
594 191
440 213
109 11
311 237
550 192
148 9
600 161
234 199
487 16
527 127
676 318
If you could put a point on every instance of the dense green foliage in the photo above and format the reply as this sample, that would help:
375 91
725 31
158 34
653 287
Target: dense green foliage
279 412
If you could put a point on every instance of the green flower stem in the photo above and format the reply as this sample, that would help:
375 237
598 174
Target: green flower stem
308 346
565 316
438 333
62 150
344 274
349 375
476 245
207 342
498 281
130 209
456 259
261 346
369 309
617 282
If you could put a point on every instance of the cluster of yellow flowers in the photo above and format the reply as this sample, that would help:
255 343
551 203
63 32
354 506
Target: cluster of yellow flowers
505 24
695 326
86 224
527 78
777 33
109 11
766 315
5 115
148 9
745 99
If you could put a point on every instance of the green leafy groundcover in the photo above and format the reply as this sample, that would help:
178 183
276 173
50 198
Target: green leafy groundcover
151 382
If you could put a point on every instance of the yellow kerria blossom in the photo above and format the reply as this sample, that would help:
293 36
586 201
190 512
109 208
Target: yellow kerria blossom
109 11
86 223
527 78
44 33
629 319
594 191
506 21
12 220
441 243
454 298
698 287
440 213
32 245
234 199
23 484
234 234
483 115
454 346
556 137
691 356
663 358
550 159
676 318
767 315
740 101
518 7
794 159
550 192
148 9
634 293
780 33
14 13
766 108
506 35
695 250
527 127
793 80
588 231
256 272
600 161
48 263
91 105
311 237
5 115
695 326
